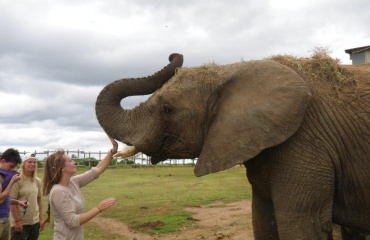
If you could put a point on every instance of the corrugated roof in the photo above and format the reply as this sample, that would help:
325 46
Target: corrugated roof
357 50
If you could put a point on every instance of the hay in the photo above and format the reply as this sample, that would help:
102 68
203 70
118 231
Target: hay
320 70
321 67
209 75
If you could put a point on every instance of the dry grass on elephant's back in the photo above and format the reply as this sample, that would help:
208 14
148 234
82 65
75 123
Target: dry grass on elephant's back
362 73
326 74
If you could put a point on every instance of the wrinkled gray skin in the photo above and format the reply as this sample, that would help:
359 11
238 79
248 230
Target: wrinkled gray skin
307 153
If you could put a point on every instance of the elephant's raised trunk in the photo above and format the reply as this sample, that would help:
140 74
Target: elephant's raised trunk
111 115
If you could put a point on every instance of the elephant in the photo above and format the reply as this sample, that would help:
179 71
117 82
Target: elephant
300 126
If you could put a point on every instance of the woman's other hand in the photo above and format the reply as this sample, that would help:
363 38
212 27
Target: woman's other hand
106 203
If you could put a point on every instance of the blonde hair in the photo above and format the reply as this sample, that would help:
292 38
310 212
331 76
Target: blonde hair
21 170
53 166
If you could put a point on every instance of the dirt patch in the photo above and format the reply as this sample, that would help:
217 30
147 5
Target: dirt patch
214 222
151 225
219 221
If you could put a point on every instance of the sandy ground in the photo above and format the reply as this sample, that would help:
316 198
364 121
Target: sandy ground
213 222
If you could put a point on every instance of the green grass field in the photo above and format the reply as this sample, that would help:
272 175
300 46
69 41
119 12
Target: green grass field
156 193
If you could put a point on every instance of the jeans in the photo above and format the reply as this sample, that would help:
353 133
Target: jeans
30 232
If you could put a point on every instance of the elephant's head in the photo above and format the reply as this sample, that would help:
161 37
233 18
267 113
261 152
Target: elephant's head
224 115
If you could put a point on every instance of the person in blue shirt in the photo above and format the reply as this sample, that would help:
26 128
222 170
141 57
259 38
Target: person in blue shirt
10 159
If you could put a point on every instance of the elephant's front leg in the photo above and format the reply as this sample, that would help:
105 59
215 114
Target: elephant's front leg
264 223
303 200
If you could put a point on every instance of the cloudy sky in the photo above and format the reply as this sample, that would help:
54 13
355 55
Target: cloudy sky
56 56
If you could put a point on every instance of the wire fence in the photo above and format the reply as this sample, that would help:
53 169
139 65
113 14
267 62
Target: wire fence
83 158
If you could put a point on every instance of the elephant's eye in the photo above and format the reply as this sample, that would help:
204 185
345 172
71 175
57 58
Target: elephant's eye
166 108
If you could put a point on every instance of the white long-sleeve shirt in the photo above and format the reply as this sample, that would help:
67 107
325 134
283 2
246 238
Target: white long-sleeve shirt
66 204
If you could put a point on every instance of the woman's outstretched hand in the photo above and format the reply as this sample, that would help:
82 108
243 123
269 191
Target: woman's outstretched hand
114 144
103 164
106 203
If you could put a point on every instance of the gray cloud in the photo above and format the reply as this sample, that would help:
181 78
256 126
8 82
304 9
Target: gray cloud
56 56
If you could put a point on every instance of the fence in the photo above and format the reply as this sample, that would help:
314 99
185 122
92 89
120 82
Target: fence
81 156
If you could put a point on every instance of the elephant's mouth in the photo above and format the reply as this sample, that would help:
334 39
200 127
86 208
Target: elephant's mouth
156 159
172 147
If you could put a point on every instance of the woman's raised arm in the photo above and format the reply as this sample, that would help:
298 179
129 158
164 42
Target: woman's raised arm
103 164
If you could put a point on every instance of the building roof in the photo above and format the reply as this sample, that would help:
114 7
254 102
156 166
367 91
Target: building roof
357 50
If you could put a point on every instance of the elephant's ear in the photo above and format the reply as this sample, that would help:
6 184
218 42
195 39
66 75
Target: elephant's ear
260 107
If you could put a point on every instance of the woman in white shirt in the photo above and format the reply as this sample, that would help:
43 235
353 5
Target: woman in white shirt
65 198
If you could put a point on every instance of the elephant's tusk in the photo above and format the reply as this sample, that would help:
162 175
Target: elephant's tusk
127 152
